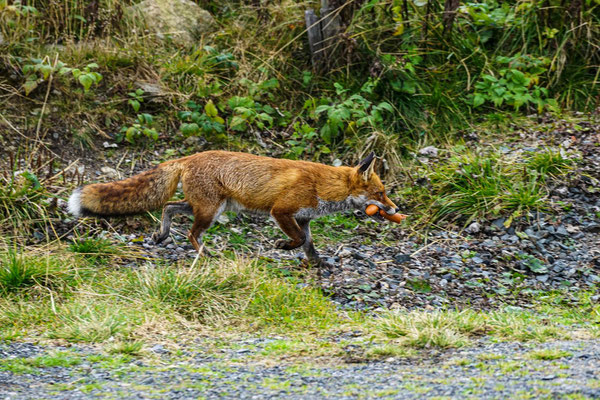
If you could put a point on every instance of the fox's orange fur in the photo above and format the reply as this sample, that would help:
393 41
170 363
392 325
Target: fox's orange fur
292 192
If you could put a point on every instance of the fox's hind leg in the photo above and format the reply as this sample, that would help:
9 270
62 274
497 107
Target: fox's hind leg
290 227
172 208
203 219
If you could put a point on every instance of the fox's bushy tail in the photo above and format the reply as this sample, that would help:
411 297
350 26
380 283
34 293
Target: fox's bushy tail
143 192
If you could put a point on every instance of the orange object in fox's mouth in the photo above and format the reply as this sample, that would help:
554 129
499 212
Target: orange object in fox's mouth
372 210
397 218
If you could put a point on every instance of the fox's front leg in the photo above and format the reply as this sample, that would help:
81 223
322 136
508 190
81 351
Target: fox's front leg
309 248
290 227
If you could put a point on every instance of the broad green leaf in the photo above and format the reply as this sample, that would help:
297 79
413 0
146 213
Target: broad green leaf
134 104
237 123
385 106
210 109
321 109
29 86
478 100
33 179
266 117
86 81
189 129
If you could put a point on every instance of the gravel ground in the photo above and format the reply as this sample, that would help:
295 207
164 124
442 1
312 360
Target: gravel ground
487 370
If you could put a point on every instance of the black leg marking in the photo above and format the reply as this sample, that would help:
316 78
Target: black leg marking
177 207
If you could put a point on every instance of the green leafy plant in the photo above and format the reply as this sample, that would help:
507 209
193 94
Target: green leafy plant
303 141
135 99
550 162
142 127
40 70
516 86
200 119
246 112
85 77
350 112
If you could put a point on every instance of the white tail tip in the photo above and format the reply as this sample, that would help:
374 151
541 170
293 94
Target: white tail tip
74 206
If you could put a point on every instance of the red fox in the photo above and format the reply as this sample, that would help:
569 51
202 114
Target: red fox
292 192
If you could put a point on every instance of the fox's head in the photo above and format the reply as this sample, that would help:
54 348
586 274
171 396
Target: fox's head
366 187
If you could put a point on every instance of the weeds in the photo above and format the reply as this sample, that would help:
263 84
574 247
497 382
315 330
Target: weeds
456 328
470 185
203 292
20 273
549 354
550 163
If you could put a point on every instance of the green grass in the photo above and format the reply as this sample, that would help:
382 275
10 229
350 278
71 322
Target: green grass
446 329
95 322
475 184
201 292
133 348
96 250
549 354
550 163
20 273
390 350
30 365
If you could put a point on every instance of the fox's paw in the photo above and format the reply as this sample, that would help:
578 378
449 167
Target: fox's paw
318 263
282 244
157 237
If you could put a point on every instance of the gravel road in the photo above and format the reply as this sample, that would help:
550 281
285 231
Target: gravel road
487 370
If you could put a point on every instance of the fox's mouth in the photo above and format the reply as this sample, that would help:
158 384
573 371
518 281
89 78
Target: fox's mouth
388 209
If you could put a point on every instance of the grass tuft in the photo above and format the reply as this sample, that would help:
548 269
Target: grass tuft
289 305
93 249
19 272
132 348
204 292
550 162
93 322
549 354
426 329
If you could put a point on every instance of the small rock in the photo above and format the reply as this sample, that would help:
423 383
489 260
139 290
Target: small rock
593 228
473 228
110 172
542 278
499 223
344 253
402 258
429 151
561 231
159 349
563 190
223 219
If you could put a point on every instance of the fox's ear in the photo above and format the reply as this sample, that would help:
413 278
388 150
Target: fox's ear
366 166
